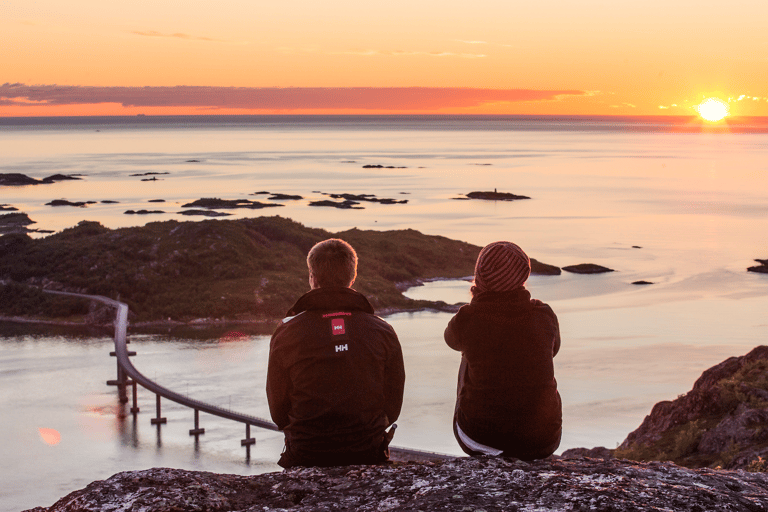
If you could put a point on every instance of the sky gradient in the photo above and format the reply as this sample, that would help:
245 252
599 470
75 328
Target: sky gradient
483 57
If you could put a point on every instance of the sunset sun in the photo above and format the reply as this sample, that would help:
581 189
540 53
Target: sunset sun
712 109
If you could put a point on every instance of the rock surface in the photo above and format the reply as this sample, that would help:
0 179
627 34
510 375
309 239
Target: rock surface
762 268
488 484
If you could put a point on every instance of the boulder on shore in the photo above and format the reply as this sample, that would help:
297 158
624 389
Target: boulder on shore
457 484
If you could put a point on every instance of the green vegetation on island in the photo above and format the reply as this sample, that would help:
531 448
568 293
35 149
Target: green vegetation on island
249 270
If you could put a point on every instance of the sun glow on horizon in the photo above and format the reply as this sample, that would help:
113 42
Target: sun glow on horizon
712 109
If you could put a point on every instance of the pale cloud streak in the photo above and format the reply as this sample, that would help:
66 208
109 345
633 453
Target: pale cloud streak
384 53
274 98
483 42
153 33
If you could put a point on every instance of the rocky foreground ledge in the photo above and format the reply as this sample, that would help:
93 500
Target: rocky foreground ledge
487 484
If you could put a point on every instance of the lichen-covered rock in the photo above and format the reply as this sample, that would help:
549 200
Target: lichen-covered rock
489 484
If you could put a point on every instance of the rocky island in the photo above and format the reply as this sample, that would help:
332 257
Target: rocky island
247 270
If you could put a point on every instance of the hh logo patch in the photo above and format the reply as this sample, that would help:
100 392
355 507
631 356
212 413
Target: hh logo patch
337 326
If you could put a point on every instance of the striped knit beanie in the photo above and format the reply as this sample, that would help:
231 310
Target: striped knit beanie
501 267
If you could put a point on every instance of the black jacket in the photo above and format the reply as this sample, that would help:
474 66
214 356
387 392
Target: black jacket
508 396
335 377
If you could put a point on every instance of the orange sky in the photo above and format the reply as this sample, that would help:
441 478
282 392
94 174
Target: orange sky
546 57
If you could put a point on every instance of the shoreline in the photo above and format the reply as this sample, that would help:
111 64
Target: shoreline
261 326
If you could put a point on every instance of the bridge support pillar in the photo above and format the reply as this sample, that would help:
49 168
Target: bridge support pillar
135 407
197 430
158 420
248 441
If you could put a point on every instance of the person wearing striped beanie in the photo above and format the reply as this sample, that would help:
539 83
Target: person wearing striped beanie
507 400
501 267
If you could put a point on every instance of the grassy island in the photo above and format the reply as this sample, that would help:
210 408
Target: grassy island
247 270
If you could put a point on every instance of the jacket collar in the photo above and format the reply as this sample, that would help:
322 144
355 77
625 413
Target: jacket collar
329 298
518 295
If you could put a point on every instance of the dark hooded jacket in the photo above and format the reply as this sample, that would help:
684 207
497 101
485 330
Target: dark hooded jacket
507 396
335 377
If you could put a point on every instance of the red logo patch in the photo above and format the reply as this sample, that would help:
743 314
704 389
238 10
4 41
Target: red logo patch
337 326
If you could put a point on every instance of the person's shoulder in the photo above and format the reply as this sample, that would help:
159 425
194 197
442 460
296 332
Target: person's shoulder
288 324
543 308
378 321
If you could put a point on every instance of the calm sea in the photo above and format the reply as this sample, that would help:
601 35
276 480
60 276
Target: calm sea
665 200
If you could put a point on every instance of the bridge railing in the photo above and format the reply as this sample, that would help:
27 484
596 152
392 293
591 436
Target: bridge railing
128 375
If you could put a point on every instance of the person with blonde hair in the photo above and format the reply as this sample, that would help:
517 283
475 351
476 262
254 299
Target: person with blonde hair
335 375
507 400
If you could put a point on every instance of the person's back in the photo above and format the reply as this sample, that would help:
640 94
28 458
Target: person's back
507 399
335 378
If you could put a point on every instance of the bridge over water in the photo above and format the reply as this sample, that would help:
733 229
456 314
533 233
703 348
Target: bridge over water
129 376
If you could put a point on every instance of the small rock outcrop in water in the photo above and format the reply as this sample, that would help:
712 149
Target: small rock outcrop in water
148 174
213 203
8 208
142 212
344 205
762 268
204 213
276 196
587 268
495 196
720 422
457 484
16 179
371 198
64 202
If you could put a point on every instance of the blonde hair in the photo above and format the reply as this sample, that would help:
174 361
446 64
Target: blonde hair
332 262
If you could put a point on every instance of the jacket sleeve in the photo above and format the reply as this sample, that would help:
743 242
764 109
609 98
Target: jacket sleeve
395 382
451 334
556 328
278 388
